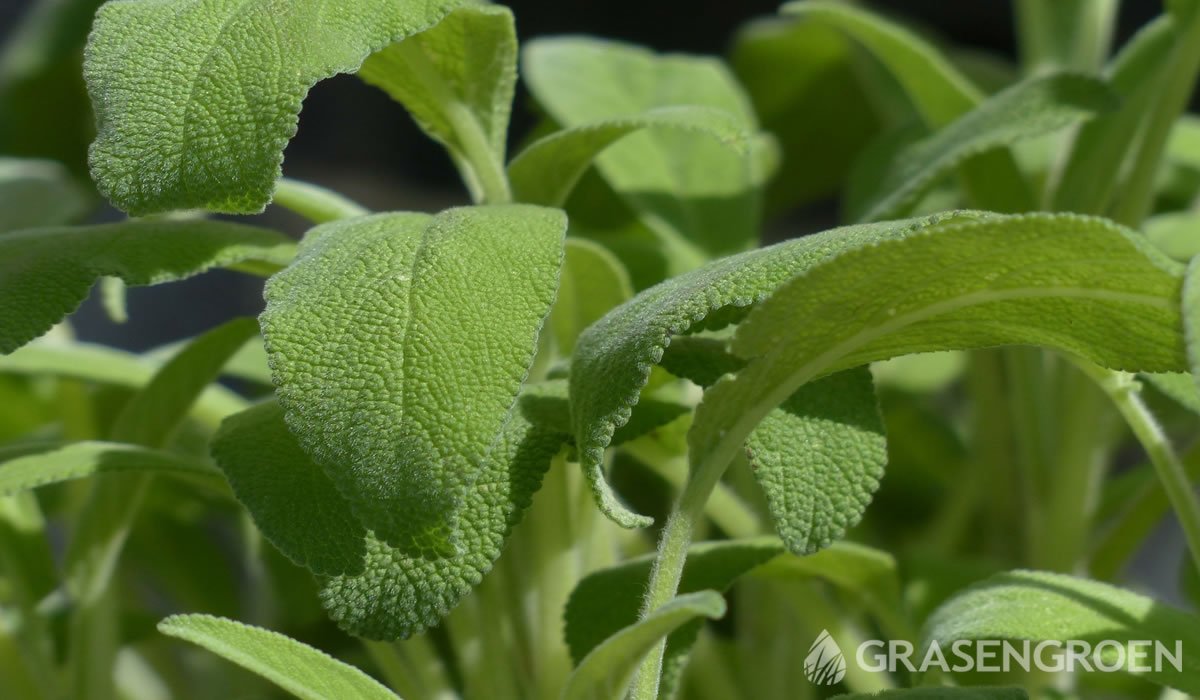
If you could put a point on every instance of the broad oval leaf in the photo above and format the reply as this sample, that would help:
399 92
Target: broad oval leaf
195 99
695 191
398 343
613 357
605 673
996 281
1031 108
79 460
457 80
299 669
1041 606
46 273
548 169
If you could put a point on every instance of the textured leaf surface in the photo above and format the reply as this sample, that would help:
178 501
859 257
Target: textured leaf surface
688 187
614 356
37 193
593 282
1031 108
605 673
375 590
819 459
996 281
1191 315
46 273
152 415
195 99
547 170
1043 606
399 595
83 459
291 500
547 406
299 669
398 343
457 80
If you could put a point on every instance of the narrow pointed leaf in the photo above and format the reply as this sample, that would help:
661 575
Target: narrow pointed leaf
84 459
38 193
301 670
457 79
819 459
46 273
1042 606
152 415
195 101
398 343
691 189
548 169
605 673
614 356
1031 108
957 286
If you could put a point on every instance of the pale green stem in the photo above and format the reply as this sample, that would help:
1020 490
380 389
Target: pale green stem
317 204
1122 389
1064 34
412 668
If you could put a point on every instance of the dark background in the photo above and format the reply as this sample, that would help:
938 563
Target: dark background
356 140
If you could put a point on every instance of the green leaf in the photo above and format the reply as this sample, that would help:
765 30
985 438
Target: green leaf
1031 108
83 459
1040 606
548 169
398 343
46 273
1191 315
1179 386
195 101
1174 233
376 591
819 459
299 669
457 79
960 285
697 193
869 575
608 600
605 673
152 415
939 93
613 357
1065 34
291 499
592 283
399 594
546 405
699 359
940 694
801 79
38 193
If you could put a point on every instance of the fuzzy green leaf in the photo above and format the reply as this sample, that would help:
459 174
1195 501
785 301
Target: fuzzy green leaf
548 169
547 406
691 189
995 281
1191 316
614 356
457 80
1031 108
398 343
291 499
398 594
195 100
152 415
46 273
593 282
83 459
819 459
299 669
605 673
1042 606
38 193
935 693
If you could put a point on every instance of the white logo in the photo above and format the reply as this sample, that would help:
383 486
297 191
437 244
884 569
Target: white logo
825 664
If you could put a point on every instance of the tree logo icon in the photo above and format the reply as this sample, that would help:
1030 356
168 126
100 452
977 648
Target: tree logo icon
825 664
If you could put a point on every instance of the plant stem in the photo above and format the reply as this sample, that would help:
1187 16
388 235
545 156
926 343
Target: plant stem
317 204
1122 388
